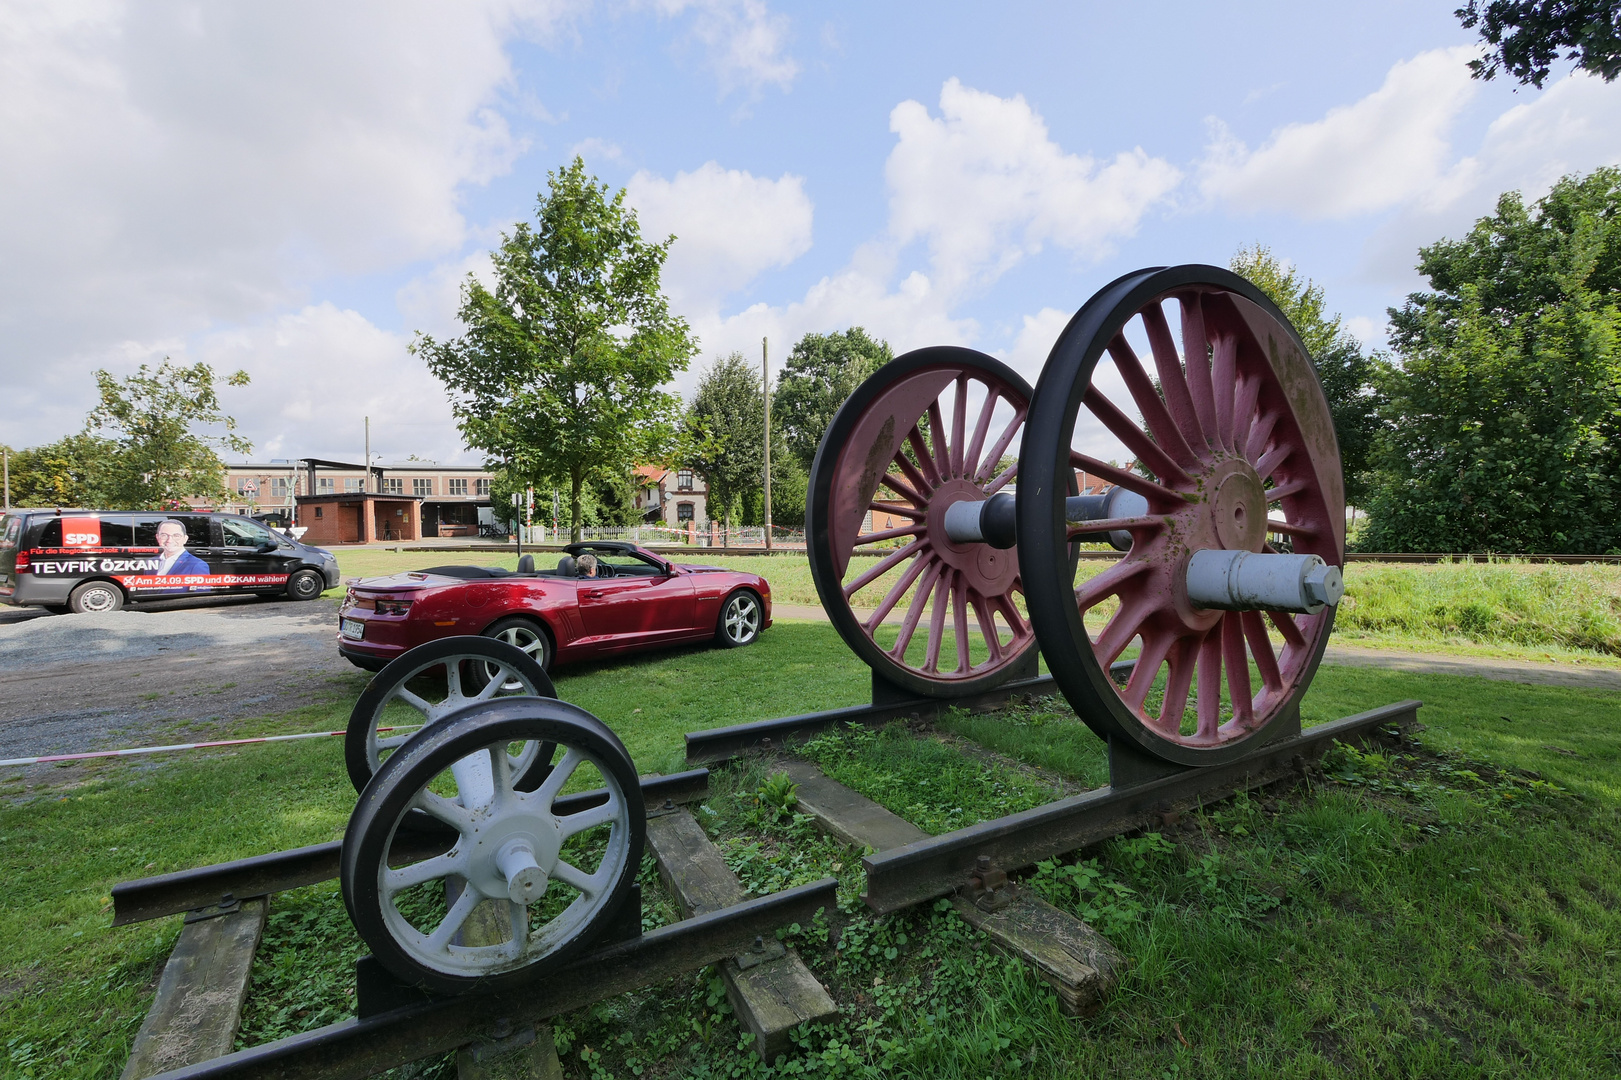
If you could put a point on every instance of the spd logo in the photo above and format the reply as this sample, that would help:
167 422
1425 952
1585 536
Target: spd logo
81 532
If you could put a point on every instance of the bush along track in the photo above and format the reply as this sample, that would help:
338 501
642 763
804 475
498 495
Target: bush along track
1401 912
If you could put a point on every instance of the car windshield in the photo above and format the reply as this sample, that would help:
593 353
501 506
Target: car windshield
622 563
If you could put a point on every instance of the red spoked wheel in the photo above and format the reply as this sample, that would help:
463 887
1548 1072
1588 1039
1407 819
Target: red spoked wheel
1238 444
930 429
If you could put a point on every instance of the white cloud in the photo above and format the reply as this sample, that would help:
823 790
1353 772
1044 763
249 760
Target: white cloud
171 167
730 227
1385 149
317 373
1572 127
744 43
985 185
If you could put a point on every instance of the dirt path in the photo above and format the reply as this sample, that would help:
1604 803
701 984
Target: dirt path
1549 673
71 683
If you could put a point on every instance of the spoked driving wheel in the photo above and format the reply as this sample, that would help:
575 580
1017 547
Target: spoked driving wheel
434 680
520 887
1231 425
928 431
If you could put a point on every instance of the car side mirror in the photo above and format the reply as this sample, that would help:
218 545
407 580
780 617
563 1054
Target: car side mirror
669 569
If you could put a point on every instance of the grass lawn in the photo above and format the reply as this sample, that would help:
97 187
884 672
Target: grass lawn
1447 910
1503 609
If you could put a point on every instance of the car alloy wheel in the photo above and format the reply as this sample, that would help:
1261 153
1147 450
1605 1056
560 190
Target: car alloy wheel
525 636
740 620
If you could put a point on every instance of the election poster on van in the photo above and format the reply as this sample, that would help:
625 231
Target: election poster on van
144 556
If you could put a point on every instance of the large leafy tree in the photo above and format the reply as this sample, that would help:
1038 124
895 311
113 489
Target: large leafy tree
820 374
1504 412
1526 37
725 434
69 472
559 376
1345 370
147 424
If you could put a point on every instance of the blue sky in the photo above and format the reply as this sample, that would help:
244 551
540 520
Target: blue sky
295 189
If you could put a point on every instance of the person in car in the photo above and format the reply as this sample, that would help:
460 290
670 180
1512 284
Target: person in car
588 565
176 559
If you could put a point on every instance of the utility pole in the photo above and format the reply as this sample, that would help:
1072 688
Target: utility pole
365 484
5 456
765 375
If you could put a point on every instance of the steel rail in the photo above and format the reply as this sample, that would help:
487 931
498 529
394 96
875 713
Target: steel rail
906 876
261 875
722 744
357 1048
718 745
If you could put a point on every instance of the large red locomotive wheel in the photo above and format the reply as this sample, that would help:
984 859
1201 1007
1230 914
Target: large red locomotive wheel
1236 434
927 431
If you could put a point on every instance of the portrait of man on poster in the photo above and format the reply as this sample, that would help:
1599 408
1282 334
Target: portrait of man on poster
175 559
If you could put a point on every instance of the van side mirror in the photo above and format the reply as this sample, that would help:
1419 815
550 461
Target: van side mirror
267 546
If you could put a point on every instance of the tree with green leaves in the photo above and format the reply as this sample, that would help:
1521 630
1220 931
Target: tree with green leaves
821 372
147 421
1526 37
1345 371
71 472
725 434
1504 413
560 375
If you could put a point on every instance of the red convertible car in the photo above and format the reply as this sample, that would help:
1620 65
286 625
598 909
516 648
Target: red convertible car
638 600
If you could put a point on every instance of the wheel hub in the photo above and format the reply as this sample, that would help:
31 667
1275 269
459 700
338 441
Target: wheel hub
988 571
506 847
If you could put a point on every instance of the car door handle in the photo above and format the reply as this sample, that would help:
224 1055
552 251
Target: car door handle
594 594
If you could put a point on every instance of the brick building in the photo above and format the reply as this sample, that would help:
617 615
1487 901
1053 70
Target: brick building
407 500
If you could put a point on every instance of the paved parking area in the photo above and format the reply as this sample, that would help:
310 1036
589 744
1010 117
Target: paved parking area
164 672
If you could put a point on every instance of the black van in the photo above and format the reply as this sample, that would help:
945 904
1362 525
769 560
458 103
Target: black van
97 560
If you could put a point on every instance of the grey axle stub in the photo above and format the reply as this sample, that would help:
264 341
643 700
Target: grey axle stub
992 521
1263 581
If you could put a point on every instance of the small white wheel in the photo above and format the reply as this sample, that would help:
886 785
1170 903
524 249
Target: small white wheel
540 886
740 619
432 681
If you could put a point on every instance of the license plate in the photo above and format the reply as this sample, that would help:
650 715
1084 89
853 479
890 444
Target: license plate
353 629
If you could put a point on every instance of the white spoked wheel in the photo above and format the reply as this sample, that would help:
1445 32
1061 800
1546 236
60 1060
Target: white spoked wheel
521 888
432 681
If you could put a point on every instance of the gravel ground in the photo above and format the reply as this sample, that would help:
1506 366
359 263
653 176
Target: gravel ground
167 672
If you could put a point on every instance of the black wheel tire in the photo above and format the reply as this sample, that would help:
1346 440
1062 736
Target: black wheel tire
399 670
825 573
387 801
525 635
95 598
1045 462
305 585
740 619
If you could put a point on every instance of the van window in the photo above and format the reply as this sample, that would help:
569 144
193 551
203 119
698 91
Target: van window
199 529
242 533
50 535
10 529
117 530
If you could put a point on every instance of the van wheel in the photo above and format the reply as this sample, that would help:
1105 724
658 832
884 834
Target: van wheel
94 597
305 585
